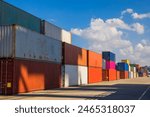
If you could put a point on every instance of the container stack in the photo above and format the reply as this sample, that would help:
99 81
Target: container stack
124 70
29 61
133 69
109 66
131 73
74 68
94 67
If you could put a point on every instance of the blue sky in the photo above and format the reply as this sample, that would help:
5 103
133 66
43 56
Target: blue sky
78 14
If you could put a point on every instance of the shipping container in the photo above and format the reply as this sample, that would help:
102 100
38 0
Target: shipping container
74 75
104 63
126 61
109 56
94 59
19 76
73 55
134 75
118 75
122 66
11 15
110 65
133 69
94 74
19 42
66 36
131 75
56 32
109 75
124 74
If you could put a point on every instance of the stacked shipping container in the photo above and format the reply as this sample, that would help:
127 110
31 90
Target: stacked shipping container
28 57
55 32
123 68
109 66
94 67
74 70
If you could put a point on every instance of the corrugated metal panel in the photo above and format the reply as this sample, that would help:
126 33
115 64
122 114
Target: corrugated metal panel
104 64
28 44
56 32
109 75
74 75
51 30
94 74
131 75
21 76
94 59
110 65
73 55
109 56
12 15
122 66
124 74
118 75
6 41
66 36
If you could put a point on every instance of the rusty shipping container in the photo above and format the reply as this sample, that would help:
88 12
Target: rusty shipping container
10 14
73 55
19 42
19 76
124 74
94 74
109 75
94 59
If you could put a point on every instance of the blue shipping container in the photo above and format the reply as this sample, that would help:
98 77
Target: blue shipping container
109 56
122 66
12 15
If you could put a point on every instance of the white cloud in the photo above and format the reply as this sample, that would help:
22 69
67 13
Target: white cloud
140 16
108 36
137 27
134 14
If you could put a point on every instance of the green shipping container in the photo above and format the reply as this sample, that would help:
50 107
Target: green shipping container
12 15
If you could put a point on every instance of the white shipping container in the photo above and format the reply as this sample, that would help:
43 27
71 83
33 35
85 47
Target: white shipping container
131 75
66 36
56 32
74 75
104 64
19 42
129 68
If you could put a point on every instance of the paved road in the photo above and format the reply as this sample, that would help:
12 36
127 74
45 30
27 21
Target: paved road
129 89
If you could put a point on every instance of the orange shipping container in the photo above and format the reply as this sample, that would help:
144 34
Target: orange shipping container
94 59
124 74
94 75
74 55
19 76
109 75
118 75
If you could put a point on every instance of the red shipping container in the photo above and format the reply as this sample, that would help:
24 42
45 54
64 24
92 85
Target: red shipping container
73 55
124 74
118 75
19 76
109 75
94 59
94 75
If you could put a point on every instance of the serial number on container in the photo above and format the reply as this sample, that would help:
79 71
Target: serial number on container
106 109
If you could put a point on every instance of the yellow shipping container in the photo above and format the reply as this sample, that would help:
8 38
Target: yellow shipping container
126 61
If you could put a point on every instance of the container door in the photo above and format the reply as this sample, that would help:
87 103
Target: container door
6 76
